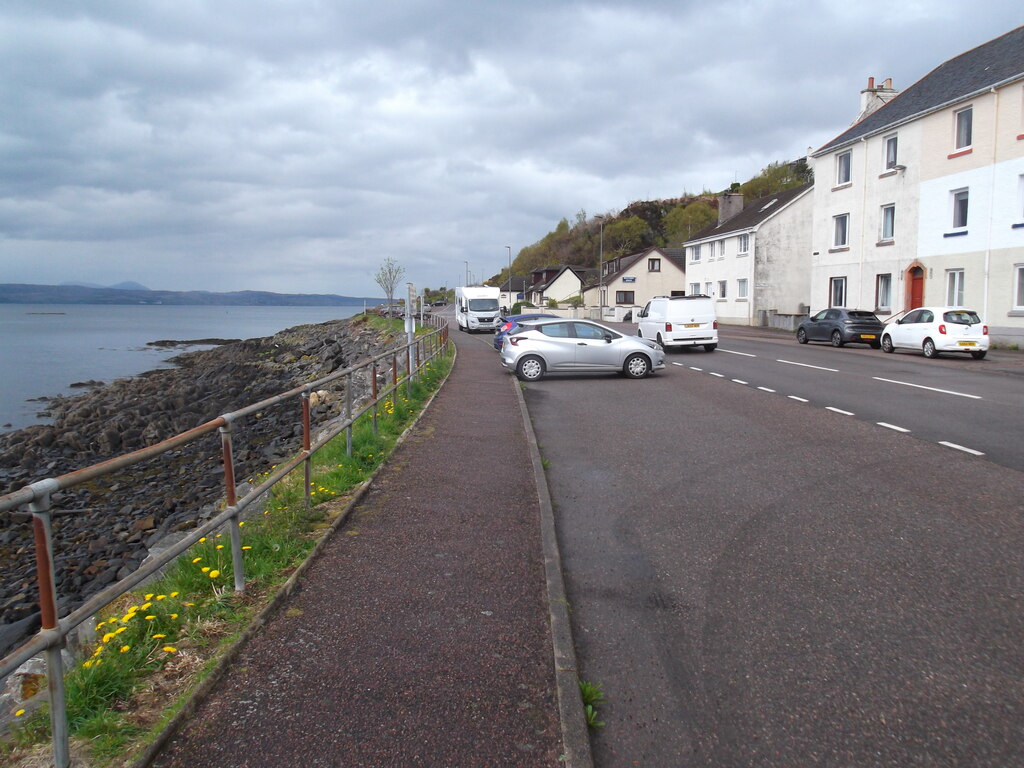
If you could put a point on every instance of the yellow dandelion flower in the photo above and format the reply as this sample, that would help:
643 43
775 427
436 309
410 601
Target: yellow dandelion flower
219 535
214 574
196 559
101 625
87 664
19 713
146 606
174 594
159 637
150 618
161 597
187 605
202 540
169 649
125 648
206 569
175 616
149 596
119 630
220 546
108 637
241 523
246 547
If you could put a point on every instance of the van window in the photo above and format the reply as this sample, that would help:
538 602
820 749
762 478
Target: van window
483 305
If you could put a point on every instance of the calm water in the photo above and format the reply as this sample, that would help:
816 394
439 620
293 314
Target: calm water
44 348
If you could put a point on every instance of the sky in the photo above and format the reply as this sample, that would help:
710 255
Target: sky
294 145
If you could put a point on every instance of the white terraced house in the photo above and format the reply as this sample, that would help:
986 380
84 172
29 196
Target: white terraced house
921 202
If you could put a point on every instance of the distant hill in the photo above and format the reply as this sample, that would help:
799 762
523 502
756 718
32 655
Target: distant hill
130 285
21 293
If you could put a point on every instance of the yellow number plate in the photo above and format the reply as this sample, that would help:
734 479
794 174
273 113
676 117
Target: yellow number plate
867 335
693 325
966 343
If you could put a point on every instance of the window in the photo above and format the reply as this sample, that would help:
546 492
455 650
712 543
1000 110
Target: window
707 289
888 222
741 288
654 265
744 246
837 292
584 331
843 168
960 200
954 287
694 289
1018 286
891 155
624 297
695 253
883 292
841 230
964 128
721 288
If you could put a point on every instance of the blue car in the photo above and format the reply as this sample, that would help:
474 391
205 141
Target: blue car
509 323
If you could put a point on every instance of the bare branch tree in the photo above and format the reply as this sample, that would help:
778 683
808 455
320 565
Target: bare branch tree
388 277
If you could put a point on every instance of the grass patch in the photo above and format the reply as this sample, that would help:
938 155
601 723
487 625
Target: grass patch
154 646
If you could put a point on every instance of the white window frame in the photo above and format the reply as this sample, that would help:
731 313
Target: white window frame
743 246
741 288
844 168
963 129
961 202
695 252
955 287
707 289
843 230
723 286
1018 286
837 291
890 152
654 265
883 291
694 289
887 228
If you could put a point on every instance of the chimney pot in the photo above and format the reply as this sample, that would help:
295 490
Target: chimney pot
871 83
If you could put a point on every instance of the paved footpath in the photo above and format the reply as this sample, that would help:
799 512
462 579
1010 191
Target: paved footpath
420 634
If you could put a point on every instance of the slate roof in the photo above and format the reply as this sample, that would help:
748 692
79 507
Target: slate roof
993 63
753 213
582 273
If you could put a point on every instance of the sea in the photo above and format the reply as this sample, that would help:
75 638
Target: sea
45 348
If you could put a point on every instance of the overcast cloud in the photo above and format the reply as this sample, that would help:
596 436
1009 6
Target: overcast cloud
292 145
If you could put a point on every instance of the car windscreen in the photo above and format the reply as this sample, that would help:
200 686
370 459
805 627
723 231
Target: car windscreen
864 316
961 317
483 305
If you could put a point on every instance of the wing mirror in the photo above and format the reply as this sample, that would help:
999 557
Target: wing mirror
608 338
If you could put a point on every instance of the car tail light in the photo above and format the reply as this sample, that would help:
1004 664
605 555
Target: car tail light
668 327
506 326
715 325
942 329
513 340
984 330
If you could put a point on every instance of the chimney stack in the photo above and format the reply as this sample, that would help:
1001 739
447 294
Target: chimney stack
729 204
873 97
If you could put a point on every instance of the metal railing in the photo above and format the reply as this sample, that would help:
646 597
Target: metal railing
409 357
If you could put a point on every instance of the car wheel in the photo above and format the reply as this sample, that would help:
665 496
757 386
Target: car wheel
875 345
710 347
837 339
530 368
801 336
929 349
980 354
887 344
636 366
661 342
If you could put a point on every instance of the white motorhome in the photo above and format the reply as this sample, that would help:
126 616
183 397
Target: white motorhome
476 308
680 321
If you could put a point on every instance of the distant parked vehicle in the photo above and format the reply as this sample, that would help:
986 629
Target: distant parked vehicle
840 326
476 308
539 347
511 322
680 321
938 329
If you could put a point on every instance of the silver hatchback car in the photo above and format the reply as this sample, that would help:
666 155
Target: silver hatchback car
566 346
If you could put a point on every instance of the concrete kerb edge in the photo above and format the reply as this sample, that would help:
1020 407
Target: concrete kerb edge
203 690
575 738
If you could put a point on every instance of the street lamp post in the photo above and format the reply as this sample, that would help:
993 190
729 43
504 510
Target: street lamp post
467 272
510 302
600 272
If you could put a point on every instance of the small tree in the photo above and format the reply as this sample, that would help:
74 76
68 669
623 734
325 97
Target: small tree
388 277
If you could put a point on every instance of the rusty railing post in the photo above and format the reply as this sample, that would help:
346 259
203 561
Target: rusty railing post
307 442
373 389
231 496
43 536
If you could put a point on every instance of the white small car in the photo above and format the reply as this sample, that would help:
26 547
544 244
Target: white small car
938 329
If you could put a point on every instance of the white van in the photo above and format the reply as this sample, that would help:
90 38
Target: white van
476 308
680 321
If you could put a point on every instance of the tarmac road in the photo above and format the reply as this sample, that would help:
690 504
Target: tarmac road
759 583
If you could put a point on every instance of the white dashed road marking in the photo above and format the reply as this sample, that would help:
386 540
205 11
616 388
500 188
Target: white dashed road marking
838 410
805 365
931 389
798 399
891 426
961 448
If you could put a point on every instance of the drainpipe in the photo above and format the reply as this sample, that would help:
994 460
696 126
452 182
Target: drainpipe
991 211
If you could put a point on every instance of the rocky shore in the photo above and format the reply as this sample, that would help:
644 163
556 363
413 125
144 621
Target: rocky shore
104 530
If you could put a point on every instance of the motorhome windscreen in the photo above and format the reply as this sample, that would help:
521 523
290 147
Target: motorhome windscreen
483 305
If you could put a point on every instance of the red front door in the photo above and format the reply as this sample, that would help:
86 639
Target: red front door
916 288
